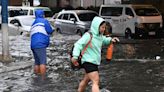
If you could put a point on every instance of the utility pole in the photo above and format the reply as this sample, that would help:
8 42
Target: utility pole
5 39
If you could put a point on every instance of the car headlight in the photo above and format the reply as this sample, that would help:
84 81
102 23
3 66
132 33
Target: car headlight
139 25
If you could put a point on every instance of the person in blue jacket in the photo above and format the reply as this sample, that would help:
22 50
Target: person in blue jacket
40 31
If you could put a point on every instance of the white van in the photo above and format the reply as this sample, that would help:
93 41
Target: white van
132 20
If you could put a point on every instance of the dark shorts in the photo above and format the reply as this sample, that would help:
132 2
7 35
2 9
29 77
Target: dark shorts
39 56
89 67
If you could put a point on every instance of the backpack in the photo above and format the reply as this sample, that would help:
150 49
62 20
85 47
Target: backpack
80 56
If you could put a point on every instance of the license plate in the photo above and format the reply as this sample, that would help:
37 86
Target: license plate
151 33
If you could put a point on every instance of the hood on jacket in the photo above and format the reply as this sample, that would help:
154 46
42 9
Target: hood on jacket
96 24
39 13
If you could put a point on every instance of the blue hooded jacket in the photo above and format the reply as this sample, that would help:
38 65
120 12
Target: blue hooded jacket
40 31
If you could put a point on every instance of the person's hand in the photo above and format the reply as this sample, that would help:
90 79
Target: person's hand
74 61
115 39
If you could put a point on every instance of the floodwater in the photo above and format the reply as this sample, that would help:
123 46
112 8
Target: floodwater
134 68
127 75
114 77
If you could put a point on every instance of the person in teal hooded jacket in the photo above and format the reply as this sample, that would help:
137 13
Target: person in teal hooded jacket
92 57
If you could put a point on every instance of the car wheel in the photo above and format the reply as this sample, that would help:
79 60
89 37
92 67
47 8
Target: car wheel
128 34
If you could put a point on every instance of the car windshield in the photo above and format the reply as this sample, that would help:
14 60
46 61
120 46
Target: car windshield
86 16
111 11
146 12
25 11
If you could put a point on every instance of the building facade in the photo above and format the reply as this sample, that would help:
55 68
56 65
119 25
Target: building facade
87 3
19 2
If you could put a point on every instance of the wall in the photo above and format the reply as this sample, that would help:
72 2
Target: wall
49 3
15 2
86 3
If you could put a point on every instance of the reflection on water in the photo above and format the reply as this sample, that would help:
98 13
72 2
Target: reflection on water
114 77
139 49
132 76
128 50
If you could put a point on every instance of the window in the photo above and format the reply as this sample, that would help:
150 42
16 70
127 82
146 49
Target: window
146 11
111 11
31 12
65 17
86 16
17 12
61 16
25 12
72 17
129 12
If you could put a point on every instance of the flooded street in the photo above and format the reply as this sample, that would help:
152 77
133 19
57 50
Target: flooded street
133 77
134 68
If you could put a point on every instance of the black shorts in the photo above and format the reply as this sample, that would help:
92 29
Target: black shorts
89 67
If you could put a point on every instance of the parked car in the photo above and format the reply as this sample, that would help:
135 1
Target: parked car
20 24
74 21
26 11
52 19
12 12
132 20
29 10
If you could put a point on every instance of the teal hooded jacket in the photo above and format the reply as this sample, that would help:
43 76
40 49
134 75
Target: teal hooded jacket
93 52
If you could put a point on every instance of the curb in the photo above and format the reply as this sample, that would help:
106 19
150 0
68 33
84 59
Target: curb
15 66
138 60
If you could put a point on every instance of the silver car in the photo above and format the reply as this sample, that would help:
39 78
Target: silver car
74 21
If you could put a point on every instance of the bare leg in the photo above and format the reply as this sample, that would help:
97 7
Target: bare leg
43 71
83 83
36 69
94 77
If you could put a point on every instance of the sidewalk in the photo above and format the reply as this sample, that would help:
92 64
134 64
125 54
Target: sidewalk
13 66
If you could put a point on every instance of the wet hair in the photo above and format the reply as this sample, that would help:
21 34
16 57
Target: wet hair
102 23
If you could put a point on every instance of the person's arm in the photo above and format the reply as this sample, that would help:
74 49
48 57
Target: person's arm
108 40
80 44
48 27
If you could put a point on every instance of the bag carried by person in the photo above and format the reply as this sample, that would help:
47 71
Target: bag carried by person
80 56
